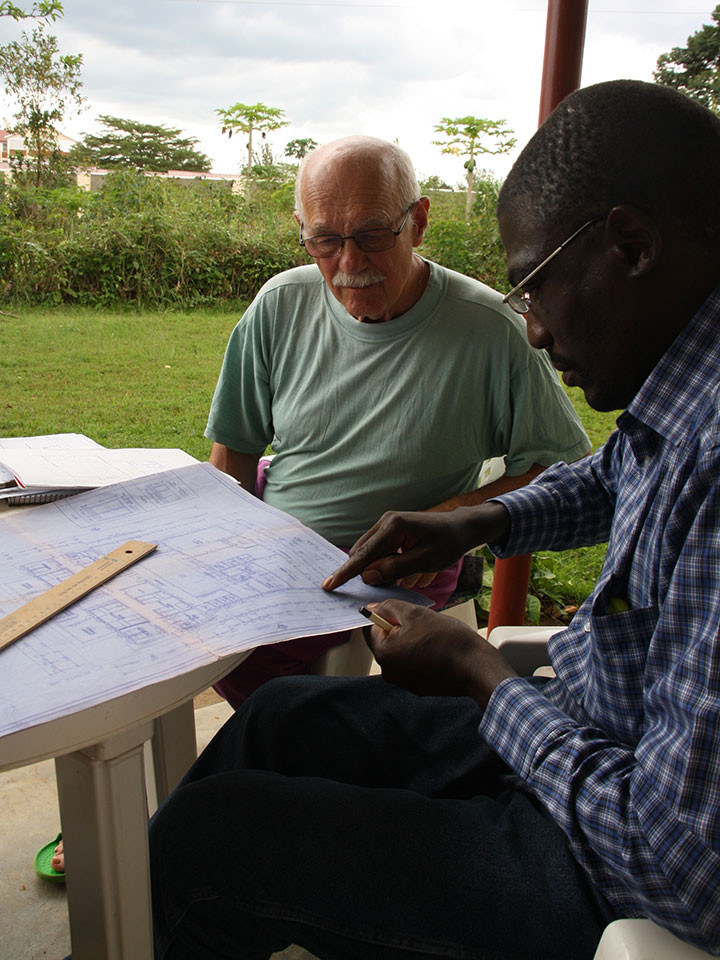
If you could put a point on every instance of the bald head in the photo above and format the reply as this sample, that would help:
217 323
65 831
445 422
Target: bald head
345 159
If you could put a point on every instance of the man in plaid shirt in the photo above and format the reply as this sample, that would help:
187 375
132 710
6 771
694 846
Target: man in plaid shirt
452 808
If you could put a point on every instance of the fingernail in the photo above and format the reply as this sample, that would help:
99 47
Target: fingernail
326 583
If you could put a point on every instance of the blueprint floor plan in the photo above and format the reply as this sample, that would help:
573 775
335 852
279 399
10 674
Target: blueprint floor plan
230 573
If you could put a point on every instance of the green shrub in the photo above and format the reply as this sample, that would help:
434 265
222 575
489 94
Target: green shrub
152 242
467 246
559 582
473 246
143 240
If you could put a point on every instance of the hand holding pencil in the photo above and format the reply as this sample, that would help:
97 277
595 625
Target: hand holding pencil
428 653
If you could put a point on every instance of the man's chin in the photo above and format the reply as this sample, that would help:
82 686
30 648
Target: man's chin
571 378
603 398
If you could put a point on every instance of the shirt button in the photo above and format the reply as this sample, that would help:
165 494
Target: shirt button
586 626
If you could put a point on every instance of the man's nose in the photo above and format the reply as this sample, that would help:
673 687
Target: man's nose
537 333
352 259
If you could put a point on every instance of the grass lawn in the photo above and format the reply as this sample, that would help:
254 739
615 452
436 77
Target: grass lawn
146 380
124 379
566 579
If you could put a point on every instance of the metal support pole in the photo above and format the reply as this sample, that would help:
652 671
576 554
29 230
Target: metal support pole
564 43
509 592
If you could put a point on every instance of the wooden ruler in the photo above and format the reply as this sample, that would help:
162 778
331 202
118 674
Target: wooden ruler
62 595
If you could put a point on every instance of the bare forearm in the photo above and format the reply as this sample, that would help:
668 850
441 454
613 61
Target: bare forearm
490 490
242 466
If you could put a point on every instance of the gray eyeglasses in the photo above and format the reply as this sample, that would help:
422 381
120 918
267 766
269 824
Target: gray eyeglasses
373 240
519 300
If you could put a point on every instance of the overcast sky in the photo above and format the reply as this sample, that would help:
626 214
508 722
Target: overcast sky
390 68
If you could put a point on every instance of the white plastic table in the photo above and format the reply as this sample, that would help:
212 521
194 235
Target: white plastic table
100 774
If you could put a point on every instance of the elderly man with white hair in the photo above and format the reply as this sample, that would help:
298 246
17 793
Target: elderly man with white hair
382 380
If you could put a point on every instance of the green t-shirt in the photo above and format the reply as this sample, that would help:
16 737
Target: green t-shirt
368 417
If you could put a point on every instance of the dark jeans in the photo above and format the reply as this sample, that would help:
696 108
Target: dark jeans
360 821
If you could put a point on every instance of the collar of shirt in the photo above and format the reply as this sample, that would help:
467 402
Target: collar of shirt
685 380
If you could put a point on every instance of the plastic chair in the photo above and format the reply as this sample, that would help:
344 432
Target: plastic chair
350 659
637 939
644 940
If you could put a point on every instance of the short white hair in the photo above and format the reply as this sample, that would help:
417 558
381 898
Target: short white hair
372 150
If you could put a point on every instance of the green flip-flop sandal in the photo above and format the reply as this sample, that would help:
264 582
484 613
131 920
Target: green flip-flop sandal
42 862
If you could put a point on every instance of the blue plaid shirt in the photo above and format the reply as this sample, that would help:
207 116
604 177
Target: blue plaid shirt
623 747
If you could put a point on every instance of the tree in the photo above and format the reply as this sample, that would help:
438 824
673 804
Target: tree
695 69
42 10
298 148
434 182
45 85
469 137
142 146
250 119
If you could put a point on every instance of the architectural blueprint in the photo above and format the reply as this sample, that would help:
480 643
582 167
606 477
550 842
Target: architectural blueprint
230 573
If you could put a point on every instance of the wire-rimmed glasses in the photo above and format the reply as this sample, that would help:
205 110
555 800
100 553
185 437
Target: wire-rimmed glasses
370 240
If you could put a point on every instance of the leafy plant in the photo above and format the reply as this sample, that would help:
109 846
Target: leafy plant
695 68
42 10
46 86
470 246
298 148
469 137
559 582
251 118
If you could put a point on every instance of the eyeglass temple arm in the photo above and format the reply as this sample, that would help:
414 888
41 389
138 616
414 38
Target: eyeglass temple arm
537 269
549 258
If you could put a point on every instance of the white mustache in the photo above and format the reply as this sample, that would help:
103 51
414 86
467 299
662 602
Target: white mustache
366 278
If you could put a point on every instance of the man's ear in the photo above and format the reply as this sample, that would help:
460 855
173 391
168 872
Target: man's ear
420 220
297 218
635 237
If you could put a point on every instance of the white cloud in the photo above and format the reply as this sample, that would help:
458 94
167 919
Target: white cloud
392 69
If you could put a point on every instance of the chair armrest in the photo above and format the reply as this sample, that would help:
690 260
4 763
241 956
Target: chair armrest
644 940
523 647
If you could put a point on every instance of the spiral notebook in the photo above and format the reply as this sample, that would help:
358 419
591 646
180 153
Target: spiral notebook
41 469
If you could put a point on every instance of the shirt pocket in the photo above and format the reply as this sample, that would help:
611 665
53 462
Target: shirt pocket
619 644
